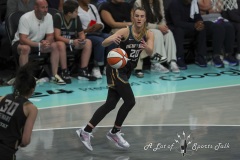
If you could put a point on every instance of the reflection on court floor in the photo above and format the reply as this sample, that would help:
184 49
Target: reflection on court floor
198 109
147 142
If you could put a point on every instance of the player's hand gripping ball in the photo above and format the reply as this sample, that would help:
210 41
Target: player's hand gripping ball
117 58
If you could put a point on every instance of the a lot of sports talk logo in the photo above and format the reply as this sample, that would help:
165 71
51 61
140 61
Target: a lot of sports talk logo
184 145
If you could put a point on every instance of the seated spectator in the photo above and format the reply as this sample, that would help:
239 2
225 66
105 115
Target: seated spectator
221 31
33 27
14 6
183 25
92 25
69 33
234 17
164 43
116 14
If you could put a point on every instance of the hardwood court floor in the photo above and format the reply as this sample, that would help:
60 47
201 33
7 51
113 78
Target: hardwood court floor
200 104
210 117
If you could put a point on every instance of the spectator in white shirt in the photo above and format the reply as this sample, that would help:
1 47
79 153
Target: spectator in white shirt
92 26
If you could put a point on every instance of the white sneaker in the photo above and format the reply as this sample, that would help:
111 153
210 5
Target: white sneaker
139 73
157 58
174 67
117 138
157 67
58 80
85 138
84 75
96 73
238 56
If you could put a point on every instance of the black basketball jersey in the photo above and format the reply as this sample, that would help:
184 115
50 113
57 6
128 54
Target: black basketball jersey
68 30
132 47
12 120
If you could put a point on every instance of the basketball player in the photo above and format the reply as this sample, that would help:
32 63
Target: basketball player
133 40
17 114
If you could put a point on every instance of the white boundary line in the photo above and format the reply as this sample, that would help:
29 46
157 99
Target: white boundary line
144 96
147 125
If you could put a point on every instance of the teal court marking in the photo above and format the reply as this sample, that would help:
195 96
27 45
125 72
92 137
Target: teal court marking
49 95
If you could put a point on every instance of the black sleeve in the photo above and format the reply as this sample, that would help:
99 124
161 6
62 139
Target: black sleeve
198 17
57 21
234 15
79 25
104 6
177 18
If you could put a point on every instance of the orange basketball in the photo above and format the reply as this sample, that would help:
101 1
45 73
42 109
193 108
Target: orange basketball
117 58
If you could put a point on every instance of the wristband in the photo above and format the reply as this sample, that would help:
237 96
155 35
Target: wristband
39 48
71 41
70 44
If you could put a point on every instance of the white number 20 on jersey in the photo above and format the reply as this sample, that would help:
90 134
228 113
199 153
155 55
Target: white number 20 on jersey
134 53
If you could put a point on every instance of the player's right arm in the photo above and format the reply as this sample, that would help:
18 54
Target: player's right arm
30 110
116 37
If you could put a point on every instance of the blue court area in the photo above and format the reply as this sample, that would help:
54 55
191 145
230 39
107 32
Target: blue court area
49 95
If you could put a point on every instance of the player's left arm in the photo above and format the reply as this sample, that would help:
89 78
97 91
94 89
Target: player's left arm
31 111
116 37
149 44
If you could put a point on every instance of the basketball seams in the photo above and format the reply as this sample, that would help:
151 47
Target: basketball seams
114 60
117 58
120 51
